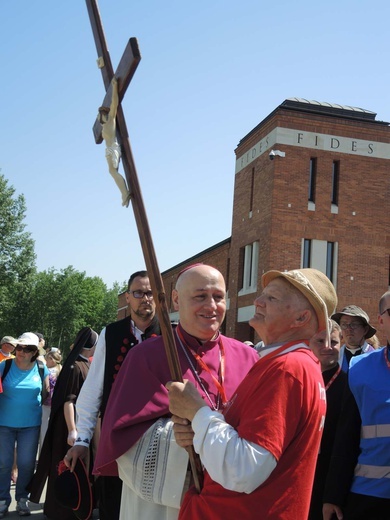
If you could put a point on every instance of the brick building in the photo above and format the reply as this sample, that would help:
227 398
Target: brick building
312 189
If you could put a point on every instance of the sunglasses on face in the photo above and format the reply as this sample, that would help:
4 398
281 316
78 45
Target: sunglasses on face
27 350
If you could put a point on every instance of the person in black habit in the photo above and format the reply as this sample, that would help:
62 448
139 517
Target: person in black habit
61 428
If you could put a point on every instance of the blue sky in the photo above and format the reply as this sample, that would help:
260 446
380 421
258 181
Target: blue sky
210 71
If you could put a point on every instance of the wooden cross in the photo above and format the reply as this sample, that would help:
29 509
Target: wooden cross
124 74
125 71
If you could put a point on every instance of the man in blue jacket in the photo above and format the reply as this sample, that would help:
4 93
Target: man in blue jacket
358 483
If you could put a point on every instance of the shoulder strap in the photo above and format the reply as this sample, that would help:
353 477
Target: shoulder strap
7 366
41 368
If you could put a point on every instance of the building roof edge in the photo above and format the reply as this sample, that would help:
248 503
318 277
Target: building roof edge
321 108
180 264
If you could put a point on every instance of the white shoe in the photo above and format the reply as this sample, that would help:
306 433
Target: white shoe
22 507
3 508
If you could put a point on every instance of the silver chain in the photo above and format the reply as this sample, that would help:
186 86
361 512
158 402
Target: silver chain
198 379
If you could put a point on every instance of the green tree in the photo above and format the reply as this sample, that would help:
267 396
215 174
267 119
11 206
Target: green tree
62 302
109 309
17 259
56 303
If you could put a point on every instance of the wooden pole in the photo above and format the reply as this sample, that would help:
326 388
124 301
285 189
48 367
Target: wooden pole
140 216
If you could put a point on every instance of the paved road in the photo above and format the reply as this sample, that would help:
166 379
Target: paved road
36 509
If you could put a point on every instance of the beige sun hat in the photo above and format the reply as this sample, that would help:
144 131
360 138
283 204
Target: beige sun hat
315 286
10 340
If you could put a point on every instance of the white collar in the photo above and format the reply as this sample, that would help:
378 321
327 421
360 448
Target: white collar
268 349
137 332
354 349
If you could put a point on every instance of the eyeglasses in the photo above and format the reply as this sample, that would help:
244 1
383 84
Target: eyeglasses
386 310
141 294
354 325
27 350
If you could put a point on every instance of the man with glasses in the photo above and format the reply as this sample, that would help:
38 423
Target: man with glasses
114 343
355 329
358 483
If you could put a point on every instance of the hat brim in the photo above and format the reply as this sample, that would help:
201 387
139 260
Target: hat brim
13 343
371 332
78 481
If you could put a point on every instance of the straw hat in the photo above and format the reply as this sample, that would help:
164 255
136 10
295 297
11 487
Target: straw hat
315 287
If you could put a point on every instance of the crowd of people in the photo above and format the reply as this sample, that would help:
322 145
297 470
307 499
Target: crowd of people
295 427
37 410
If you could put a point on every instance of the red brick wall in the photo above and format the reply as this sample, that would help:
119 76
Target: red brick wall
122 306
280 216
217 256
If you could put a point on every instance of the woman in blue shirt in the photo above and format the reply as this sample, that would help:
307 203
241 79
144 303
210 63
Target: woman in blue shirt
20 420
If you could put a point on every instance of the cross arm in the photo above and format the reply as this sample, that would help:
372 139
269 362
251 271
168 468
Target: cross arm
124 74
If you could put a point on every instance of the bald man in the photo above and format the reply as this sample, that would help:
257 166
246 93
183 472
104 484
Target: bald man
260 453
137 433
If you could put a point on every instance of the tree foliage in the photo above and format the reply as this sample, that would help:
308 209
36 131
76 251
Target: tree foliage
62 302
56 303
17 257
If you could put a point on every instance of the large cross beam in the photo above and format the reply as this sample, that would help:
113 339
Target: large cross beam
124 73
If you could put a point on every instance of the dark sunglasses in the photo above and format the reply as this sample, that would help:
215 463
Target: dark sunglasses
386 310
28 350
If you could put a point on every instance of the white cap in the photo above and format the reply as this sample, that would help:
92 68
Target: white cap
28 338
